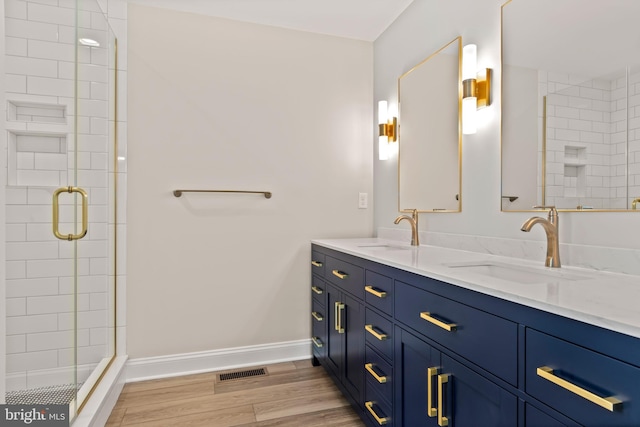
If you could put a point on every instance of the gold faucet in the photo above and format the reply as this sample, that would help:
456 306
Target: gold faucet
413 220
551 228
634 203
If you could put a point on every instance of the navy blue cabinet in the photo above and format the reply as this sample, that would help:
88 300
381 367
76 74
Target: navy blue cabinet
412 351
436 390
345 344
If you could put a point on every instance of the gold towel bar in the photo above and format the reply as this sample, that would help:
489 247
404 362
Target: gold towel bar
178 193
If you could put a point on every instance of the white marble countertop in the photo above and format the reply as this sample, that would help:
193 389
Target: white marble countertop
608 300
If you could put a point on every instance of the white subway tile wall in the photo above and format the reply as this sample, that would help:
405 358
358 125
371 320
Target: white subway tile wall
40 52
593 139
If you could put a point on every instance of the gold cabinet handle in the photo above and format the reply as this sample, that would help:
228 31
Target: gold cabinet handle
380 420
340 274
317 316
369 368
431 410
374 291
56 213
381 337
608 403
317 290
316 263
317 342
442 380
338 308
447 326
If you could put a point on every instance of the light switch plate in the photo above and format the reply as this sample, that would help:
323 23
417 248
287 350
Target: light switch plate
363 201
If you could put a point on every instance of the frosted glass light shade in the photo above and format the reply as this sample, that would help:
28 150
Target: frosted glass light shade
469 113
383 148
469 61
382 112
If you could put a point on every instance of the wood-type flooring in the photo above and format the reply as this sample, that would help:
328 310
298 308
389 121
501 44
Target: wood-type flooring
292 394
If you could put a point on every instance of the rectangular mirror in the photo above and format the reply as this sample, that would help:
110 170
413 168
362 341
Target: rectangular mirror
429 157
571 104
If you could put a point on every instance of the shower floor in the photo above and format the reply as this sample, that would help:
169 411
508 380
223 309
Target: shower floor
52 395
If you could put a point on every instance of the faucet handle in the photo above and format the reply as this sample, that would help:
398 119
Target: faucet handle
553 212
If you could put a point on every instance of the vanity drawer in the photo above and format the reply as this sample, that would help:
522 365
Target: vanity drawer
347 276
379 373
318 329
318 320
489 341
318 289
317 263
581 383
378 291
378 411
378 333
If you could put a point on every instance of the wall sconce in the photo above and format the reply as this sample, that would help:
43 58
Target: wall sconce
476 89
388 127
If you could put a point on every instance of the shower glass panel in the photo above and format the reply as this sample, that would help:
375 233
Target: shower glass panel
60 204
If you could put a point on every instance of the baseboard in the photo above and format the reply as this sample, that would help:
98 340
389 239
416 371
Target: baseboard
148 368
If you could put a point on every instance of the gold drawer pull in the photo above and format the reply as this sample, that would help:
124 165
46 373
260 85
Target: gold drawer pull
317 316
381 337
431 410
369 367
608 403
317 342
374 291
447 326
382 421
317 290
442 380
340 274
316 264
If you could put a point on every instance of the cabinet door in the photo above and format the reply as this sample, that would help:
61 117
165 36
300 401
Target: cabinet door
334 313
470 400
353 369
417 366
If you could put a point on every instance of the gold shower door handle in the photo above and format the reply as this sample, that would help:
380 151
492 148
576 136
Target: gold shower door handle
56 213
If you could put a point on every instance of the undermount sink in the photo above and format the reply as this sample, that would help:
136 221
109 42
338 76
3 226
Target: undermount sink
518 274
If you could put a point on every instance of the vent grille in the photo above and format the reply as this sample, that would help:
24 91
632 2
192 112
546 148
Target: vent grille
242 374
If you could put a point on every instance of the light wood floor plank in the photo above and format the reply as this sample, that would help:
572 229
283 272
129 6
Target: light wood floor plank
338 417
293 394
319 401
219 418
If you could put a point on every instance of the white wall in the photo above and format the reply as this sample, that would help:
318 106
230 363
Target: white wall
424 27
219 104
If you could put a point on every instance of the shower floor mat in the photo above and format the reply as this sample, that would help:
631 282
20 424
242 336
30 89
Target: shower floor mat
52 395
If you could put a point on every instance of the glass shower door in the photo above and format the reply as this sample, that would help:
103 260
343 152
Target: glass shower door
60 206
94 172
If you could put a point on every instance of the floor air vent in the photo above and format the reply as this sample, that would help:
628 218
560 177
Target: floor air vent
242 374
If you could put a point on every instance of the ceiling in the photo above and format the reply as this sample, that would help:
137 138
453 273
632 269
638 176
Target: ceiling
355 19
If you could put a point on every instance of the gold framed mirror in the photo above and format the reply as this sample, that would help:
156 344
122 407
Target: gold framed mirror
429 134
570 109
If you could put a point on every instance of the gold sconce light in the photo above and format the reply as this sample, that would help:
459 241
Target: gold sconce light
476 89
388 130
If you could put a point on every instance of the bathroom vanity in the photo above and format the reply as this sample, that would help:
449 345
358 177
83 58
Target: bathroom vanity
429 336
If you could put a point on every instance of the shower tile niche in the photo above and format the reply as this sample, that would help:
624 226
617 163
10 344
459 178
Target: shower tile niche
37 139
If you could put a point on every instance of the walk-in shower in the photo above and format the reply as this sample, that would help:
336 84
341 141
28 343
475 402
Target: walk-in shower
60 269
